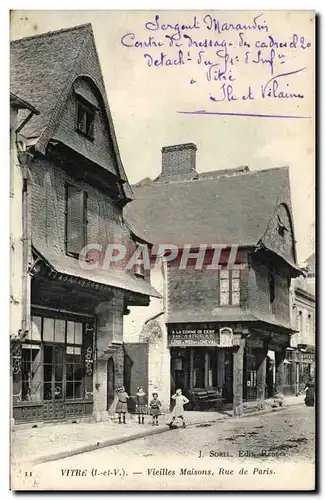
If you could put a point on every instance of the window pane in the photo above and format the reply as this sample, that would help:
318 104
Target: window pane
224 285
47 373
70 358
59 330
224 274
77 350
78 333
235 273
36 326
70 332
48 329
70 350
58 373
235 298
25 391
69 390
69 372
58 394
58 355
47 391
77 390
77 372
48 350
224 298
235 285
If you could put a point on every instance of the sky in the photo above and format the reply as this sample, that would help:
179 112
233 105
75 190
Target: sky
145 100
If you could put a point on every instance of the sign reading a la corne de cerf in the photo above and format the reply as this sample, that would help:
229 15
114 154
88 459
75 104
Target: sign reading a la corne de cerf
200 337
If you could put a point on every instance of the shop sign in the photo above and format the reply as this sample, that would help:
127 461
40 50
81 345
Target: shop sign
308 357
194 337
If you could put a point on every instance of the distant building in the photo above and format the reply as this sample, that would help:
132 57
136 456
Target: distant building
300 365
216 330
71 358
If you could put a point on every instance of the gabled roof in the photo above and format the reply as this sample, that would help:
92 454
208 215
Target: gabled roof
224 210
43 69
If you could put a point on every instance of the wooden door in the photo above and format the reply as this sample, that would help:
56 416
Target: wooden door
53 386
135 370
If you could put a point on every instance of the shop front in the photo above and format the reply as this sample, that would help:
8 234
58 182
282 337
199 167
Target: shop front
202 358
299 369
53 369
240 363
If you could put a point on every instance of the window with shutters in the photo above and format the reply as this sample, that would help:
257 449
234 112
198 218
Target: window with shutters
75 220
85 119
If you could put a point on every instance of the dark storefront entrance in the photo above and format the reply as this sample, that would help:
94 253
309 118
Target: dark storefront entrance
53 369
202 359
202 368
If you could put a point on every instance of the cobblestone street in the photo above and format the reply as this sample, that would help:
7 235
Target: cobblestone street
272 443
283 436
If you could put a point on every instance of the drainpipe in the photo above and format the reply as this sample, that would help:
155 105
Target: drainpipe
24 160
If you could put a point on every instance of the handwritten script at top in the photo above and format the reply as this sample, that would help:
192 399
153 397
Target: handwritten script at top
227 54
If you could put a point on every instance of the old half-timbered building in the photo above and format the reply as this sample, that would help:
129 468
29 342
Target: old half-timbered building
70 357
219 334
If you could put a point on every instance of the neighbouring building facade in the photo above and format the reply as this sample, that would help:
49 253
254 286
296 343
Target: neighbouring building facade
301 356
224 329
70 355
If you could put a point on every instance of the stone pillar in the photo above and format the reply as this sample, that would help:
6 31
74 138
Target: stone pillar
279 372
261 355
109 323
293 373
118 358
238 369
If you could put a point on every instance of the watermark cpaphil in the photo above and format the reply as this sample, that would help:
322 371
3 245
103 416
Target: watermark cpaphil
116 255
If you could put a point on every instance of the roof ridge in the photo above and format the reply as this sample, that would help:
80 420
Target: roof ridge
204 179
53 33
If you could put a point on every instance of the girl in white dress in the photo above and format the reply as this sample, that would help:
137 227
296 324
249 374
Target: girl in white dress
178 411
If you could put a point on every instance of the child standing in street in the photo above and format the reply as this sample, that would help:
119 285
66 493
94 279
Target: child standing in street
155 406
178 411
122 407
141 405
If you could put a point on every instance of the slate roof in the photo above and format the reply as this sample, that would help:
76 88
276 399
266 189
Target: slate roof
224 210
42 70
109 277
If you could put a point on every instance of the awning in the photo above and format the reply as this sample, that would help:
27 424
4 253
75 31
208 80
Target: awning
209 316
65 265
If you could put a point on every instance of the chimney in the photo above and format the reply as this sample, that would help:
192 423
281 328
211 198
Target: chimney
178 162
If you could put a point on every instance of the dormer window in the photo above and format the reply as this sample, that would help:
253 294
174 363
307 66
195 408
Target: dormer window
85 119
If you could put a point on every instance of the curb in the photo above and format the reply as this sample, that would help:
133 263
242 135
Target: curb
149 432
114 441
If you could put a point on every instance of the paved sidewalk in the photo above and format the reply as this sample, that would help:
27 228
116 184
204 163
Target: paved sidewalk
54 441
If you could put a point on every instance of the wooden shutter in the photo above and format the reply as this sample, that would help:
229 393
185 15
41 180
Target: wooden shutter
76 219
